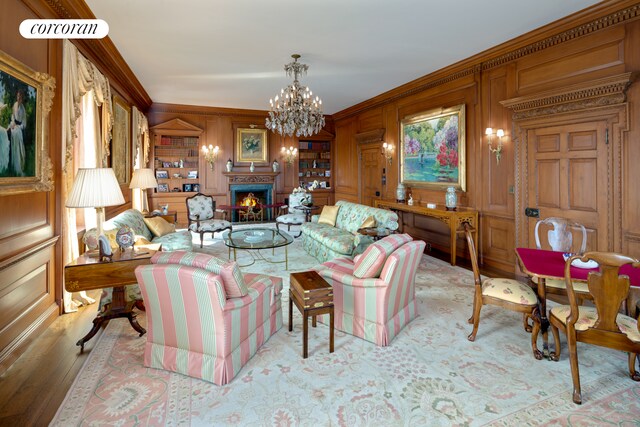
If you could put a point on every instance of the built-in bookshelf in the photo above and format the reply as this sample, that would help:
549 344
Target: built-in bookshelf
176 163
314 163
175 158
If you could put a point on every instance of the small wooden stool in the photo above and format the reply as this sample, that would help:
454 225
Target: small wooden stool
313 296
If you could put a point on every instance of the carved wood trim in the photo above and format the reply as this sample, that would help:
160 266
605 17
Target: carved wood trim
177 124
596 93
376 135
600 99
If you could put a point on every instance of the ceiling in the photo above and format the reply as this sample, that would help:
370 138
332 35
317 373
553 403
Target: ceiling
232 53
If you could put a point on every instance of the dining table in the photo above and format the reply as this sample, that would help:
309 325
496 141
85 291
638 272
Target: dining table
541 265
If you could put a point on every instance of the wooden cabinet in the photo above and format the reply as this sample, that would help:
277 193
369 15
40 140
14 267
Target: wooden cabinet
176 161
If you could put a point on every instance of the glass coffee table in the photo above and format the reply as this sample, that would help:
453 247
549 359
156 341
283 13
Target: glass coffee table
254 239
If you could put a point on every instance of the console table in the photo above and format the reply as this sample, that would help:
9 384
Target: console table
453 219
86 273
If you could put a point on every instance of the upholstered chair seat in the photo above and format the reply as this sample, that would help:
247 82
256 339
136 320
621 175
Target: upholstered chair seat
205 318
201 210
589 315
509 290
374 293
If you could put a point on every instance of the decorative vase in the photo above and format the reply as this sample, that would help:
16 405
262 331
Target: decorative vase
276 166
451 199
401 193
251 167
229 165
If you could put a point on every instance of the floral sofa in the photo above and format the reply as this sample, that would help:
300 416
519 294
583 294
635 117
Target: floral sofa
326 242
178 241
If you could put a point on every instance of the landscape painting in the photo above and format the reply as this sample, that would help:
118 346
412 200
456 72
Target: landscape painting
432 153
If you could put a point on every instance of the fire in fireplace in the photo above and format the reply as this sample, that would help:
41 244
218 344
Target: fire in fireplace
253 212
261 192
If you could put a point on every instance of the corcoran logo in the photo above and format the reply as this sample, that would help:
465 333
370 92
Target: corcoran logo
64 28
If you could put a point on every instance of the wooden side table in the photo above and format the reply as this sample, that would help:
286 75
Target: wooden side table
313 296
171 217
86 273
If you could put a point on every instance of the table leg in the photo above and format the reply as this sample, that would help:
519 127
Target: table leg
305 336
290 311
331 331
454 235
286 257
544 321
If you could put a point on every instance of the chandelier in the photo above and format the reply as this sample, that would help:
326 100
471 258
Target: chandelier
294 110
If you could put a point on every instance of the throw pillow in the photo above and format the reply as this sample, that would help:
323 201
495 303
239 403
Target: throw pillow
369 222
372 261
159 226
233 281
329 215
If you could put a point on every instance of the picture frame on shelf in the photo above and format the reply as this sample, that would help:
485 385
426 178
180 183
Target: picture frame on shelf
163 188
166 164
25 165
160 174
433 149
121 140
251 146
195 188
327 174
192 175
323 184
187 188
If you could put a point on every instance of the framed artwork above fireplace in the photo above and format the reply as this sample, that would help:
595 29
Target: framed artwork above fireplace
251 146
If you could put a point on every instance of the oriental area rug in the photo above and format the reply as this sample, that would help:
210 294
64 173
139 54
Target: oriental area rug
430 375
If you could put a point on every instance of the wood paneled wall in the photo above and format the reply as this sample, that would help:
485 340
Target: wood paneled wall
31 224
589 45
220 126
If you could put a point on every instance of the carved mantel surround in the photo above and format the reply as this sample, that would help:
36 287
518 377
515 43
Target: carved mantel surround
248 178
604 98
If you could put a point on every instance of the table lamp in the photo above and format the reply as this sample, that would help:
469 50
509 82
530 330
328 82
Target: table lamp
143 179
95 188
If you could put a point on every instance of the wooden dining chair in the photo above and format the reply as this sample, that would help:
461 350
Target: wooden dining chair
601 325
507 293
560 239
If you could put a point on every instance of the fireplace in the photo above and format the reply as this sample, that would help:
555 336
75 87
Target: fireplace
261 184
251 194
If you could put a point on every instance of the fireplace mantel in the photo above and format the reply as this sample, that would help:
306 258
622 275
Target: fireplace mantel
250 177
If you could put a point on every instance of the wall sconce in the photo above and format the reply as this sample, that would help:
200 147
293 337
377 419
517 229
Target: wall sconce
289 154
498 149
211 154
387 152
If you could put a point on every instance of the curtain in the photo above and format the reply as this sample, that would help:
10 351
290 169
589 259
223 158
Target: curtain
85 143
141 132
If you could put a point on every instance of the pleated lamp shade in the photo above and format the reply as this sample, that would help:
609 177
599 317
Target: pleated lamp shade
143 178
93 188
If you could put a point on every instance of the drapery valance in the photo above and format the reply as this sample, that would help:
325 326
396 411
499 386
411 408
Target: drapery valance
79 77
141 126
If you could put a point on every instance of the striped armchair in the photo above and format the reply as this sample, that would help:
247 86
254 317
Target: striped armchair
195 327
374 294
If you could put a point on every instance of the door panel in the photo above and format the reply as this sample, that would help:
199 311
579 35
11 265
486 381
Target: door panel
567 177
371 171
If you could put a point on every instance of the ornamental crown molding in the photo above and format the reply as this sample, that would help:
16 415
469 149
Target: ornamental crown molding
375 135
605 91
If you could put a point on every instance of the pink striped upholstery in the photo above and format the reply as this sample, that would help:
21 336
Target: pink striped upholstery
375 309
193 329
233 282
373 258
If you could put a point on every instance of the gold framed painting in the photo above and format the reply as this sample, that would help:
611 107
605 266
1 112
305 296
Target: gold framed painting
433 149
251 146
25 101
121 140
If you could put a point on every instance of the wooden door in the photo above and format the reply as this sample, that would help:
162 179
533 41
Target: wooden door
567 177
371 173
